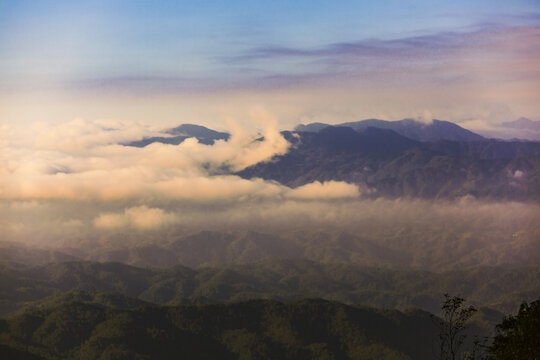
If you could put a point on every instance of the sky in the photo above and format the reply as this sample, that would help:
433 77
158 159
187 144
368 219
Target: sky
78 79
169 62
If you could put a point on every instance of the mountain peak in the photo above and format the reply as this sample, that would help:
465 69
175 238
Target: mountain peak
198 131
180 133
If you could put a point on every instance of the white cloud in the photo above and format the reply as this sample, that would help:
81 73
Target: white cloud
325 190
425 117
82 160
141 217
518 174
80 134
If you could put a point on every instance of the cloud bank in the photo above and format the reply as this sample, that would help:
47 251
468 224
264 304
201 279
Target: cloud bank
141 217
85 161
90 193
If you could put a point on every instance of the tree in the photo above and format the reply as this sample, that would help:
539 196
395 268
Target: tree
518 337
452 326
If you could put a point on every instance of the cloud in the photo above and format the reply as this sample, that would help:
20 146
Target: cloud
83 160
80 134
440 49
425 117
273 144
243 149
488 129
325 190
371 216
24 205
141 217
518 174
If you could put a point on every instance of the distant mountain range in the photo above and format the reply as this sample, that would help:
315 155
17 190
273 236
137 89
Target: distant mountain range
522 123
394 166
434 131
395 158
398 246
34 287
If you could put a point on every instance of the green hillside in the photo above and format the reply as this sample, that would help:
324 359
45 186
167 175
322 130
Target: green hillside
258 329
499 288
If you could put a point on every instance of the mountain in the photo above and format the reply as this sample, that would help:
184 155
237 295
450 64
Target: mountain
123 286
393 165
172 140
180 133
256 329
436 130
522 123
8 352
15 252
210 248
105 299
198 131
311 127
367 141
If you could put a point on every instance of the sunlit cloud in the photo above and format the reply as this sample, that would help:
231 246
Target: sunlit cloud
141 217
85 161
81 134
325 190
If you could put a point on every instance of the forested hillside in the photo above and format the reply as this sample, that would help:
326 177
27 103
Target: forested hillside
258 329
498 288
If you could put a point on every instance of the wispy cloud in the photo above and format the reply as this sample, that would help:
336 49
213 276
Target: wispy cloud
442 57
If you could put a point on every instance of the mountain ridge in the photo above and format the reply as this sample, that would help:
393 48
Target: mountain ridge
396 166
420 131
31 287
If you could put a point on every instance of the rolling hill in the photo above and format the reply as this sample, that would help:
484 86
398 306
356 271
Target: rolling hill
498 288
257 329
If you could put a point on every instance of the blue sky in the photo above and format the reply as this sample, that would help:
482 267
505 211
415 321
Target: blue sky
77 40
134 48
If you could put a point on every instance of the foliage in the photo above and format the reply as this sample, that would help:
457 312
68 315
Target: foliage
518 337
256 329
499 288
452 326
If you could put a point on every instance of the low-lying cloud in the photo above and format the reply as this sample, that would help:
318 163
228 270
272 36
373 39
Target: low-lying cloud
85 161
141 217
498 131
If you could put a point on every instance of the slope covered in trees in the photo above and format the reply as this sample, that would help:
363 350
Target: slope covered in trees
258 329
501 289
261 329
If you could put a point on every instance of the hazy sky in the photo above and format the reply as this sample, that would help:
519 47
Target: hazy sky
79 78
475 62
